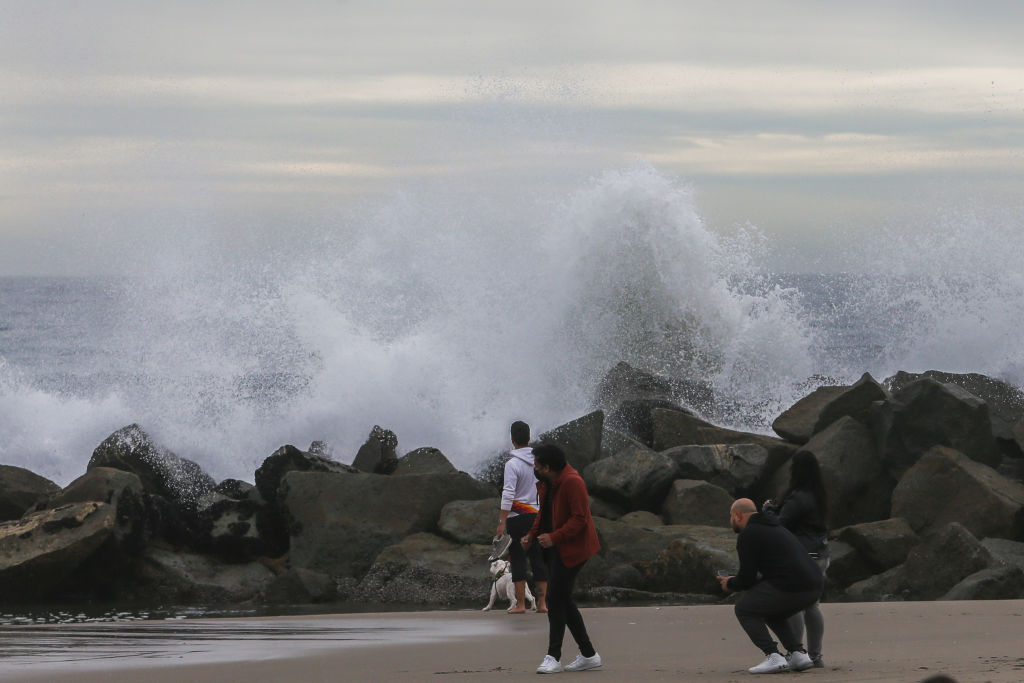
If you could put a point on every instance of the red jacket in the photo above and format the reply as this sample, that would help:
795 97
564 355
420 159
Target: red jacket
573 532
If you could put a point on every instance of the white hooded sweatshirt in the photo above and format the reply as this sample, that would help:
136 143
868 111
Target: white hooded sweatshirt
519 495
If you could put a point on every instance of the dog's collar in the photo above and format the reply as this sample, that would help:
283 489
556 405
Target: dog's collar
500 574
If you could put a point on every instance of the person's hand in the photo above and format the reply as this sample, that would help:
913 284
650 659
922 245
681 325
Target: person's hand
545 540
526 541
500 531
724 581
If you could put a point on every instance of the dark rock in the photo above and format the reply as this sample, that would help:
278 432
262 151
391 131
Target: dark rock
422 460
626 544
39 552
945 486
642 519
121 490
469 521
182 577
339 522
163 473
613 441
633 417
737 468
877 588
378 454
229 528
323 448
689 566
625 576
942 561
927 413
691 501
239 490
638 478
579 439
291 459
1005 582
1006 551
424 569
300 587
20 490
884 544
605 509
858 486
825 405
847 565
624 383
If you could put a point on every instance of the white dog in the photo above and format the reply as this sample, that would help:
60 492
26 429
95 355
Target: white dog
502 586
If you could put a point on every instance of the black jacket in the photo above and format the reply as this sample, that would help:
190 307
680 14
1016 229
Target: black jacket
765 547
799 513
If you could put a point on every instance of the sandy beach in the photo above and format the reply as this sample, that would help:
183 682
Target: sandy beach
973 641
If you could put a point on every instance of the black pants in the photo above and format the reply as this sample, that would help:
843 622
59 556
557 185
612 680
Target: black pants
764 606
517 527
562 611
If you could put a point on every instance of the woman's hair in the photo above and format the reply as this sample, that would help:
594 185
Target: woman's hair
805 475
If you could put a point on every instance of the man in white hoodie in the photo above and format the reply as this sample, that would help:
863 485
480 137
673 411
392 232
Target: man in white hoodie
519 508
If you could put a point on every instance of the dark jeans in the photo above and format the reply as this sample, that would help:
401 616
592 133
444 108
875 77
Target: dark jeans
517 527
764 606
562 611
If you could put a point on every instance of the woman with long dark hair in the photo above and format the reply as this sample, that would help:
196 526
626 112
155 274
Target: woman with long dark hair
803 510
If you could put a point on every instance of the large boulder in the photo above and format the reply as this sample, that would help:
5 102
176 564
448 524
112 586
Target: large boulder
738 468
1007 552
625 383
847 566
299 587
20 490
162 473
825 405
469 521
638 478
946 486
1005 402
378 454
673 428
691 560
633 417
39 552
942 561
579 439
883 545
1003 582
232 529
692 501
858 486
424 569
339 522
928 413
423 460
121 490
290 459
613 441
175 576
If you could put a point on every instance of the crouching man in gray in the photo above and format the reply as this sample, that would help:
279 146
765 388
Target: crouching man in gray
778 578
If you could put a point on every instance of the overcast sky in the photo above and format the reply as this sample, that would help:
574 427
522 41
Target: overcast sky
811 120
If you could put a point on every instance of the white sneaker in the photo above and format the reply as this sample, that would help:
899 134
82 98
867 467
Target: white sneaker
798 661
550 665
582 663
775 663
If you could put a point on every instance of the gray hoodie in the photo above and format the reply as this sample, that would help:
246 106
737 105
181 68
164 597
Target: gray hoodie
519 494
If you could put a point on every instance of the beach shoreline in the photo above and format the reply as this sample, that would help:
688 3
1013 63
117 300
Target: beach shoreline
893 641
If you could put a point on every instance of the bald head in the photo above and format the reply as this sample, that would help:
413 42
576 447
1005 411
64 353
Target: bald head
740 512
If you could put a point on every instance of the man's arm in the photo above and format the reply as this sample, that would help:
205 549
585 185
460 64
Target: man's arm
575 492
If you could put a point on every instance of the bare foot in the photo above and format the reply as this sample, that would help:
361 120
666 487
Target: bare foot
542 610
517 610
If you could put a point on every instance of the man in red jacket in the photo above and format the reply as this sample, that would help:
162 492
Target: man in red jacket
565 529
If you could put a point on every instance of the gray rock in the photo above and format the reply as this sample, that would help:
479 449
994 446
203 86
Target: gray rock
182 577
945 486
613 441
625 576
340 522
20 490
162 472
642 519
39 552
299 587
605 509
1006 551
637 478
634 417
232 530
377 455
884 544
737 468
579 439
239 490
876 588
423 460
825 405
691 501
847 566
690 565
121 490
858 486
469 521
625 544
1005 582
927 413
424 569
942 561
624 383
291 459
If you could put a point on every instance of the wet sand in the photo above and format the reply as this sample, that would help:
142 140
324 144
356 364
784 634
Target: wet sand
973 641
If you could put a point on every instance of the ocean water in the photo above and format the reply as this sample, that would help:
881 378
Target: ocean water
445 313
